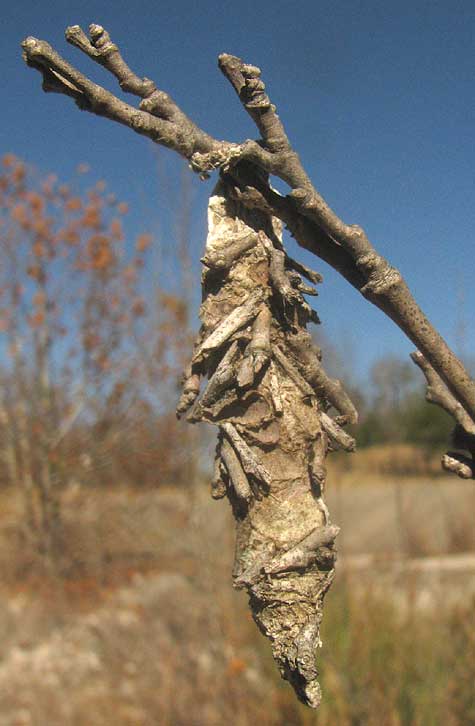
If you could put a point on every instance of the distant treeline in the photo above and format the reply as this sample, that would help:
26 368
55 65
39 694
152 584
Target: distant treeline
391 402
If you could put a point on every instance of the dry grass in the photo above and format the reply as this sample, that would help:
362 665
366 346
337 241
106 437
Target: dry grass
375 463
142 628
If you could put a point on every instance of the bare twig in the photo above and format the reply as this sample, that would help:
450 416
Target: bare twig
235 320
190 392
223 259
236 472
382 284
222 377
313 372
218 482
293 373
459 464
309 218
248 460
158 116
438 394
336 433
305 552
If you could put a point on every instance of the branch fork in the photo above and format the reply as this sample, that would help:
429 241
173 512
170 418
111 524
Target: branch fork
309 218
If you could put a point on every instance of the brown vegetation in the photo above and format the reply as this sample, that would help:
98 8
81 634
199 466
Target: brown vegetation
375 463
145 630
118 610
88 364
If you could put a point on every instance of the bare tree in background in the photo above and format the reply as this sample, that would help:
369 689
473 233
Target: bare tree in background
266 389
85 358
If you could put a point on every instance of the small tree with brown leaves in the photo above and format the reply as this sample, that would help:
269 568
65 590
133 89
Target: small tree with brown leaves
83 384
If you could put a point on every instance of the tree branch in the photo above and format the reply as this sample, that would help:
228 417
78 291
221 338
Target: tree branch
158 116
459 464
438 394
380 283
308 217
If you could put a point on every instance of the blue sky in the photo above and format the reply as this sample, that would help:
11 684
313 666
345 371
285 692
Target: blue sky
377 97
